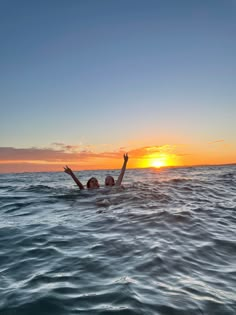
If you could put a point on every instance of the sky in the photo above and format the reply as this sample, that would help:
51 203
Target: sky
83 82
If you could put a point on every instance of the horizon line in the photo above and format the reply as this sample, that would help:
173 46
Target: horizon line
131 168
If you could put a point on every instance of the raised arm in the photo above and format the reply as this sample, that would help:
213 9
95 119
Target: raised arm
122 172
67 170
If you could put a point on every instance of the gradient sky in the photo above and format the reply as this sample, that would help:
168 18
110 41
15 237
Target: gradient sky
82 82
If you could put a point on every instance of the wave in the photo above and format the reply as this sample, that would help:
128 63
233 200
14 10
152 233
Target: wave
164 244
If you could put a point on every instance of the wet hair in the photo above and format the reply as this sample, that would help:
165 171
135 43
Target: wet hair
88 182
113 181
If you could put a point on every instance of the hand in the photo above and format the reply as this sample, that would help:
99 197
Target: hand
126 157
67 170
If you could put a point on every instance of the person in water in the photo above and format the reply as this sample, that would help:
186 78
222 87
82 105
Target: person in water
92 183
109 180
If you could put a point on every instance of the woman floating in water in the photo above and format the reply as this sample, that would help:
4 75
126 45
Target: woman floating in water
92 183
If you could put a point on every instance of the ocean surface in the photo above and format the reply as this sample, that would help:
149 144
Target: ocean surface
165 244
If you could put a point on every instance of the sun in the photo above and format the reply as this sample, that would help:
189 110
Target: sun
159 160
158 163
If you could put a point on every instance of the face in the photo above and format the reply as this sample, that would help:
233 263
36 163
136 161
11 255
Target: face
109 181
93 183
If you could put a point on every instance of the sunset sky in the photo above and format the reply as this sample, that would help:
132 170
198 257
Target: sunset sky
84 81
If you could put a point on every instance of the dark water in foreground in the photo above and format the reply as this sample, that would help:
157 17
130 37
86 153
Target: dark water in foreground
164 245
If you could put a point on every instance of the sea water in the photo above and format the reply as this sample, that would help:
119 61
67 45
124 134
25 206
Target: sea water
165 244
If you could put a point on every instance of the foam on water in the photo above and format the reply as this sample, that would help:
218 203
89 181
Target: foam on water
166 244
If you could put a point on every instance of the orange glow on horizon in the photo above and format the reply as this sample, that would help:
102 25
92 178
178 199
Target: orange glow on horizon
159 160
35 159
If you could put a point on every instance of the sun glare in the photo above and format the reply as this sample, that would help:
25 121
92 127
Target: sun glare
158 163
159 160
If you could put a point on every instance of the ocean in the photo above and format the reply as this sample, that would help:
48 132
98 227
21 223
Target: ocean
164 244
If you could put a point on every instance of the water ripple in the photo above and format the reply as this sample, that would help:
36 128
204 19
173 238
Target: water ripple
164 245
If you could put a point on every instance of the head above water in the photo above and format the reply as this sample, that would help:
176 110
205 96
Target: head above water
92 183
109 181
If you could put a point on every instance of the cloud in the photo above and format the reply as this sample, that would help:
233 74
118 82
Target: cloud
59 144
217 141
67 152
72 148
50 159
10 153
147 150
14 160
52 155
66 147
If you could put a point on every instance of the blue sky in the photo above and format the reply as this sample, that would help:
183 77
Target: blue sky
117 72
